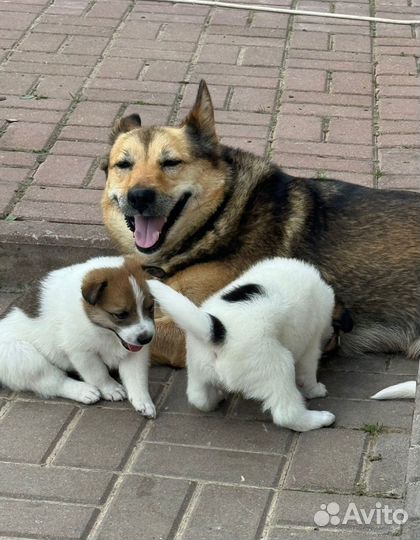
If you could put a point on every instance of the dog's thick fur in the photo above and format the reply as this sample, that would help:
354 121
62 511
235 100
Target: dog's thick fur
224 209
261 335
93 315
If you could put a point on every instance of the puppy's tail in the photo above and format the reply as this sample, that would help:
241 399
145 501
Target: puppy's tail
186 314
405 390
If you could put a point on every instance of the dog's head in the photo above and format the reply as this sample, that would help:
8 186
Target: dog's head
165 181
119 299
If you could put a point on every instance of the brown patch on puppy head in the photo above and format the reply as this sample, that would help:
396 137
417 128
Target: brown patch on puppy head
128 123
108 296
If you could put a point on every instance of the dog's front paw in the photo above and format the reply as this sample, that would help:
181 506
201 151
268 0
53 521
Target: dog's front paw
113 391
319 390
85 393
145 407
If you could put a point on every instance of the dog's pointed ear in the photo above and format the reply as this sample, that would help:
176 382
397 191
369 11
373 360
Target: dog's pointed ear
128 123
104 164
201 117
93 288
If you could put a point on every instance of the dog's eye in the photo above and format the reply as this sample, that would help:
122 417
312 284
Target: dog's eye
121 315
149 309
124 164
168 163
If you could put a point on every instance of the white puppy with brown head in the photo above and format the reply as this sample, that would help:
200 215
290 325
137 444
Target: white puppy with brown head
262 335
92 316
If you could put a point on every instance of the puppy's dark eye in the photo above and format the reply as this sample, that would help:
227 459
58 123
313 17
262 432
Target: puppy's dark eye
124 164
149 309
121 315
168 163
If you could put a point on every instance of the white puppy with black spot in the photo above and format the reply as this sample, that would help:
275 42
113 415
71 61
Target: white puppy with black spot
262 335
92 316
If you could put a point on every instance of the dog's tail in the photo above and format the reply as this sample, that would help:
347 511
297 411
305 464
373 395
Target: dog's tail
186 314
405 390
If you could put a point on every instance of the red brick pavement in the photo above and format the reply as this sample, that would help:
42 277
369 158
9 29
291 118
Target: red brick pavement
329 98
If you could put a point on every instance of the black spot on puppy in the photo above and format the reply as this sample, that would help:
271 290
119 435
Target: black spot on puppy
218 330
243 293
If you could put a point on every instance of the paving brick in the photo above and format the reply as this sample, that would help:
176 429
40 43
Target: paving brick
331 65
31 115
323 163
342 130
7 194
85 133
61 212
13 175
79 148
101 439
309 40
297 96
225 433
97 114
68 195
120 68
262 56
63 171
118 96
17 159
212 465
18 83
244 99
84 44
114 10
357 413
225 54
352 83
29 428
20 518
75 30
161 70
42 42
55 58
387 474
298 128
17 21
57 86
52 483
402 365
321 149
180 32
26 136
219 96
401 161
316 109
220 511
144 505
301 79
395 65
399 109
326 459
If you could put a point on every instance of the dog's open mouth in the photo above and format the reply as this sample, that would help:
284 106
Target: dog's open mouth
150 232
130 347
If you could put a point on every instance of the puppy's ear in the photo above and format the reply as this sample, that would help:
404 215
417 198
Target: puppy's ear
200 120
127 123
92 289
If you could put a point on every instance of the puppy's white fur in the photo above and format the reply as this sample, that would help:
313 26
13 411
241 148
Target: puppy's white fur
36 352
273 340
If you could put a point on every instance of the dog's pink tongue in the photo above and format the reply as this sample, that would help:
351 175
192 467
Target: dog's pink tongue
134 348
147 230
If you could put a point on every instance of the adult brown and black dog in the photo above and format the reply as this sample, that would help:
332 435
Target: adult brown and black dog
200 213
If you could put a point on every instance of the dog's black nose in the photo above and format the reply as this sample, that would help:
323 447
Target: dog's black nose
141 198
144 337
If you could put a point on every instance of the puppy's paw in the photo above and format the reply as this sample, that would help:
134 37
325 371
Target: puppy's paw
319 390
85 393
314 420
207 400
144 406
113 391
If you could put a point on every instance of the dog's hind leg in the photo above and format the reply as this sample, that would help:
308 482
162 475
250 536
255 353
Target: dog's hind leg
306 371
202 392
267 373
22 367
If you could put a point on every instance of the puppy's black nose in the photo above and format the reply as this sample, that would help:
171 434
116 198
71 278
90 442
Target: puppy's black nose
141 198
144 337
